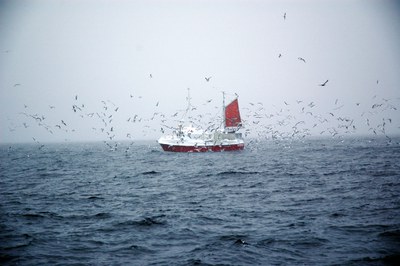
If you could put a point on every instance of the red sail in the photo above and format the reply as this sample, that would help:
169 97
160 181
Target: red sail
232 115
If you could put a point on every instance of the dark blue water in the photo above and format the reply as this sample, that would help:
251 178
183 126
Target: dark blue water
312 202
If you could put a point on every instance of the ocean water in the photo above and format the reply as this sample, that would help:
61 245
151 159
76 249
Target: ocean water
310 202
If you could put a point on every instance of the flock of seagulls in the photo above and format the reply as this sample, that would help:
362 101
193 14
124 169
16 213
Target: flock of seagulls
301 119
290 120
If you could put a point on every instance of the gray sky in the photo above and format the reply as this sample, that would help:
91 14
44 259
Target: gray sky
51 51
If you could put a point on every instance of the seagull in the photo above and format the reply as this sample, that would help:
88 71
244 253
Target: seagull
323 84
301 59
208 79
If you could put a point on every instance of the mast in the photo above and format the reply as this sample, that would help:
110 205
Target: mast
223 110
188 101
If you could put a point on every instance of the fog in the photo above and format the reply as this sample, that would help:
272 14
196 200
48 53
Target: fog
69 67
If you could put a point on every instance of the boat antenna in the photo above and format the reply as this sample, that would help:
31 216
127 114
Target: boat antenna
188 105
188 101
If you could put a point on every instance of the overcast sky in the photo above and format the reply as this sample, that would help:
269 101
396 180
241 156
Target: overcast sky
134 60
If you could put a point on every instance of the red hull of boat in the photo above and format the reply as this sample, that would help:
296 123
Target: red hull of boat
217 148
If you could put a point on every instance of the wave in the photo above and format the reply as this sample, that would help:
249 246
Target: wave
40 215
7 258
145 222
231 237
236 173
12 242
133 248
150 173
102 215
393 259
395 234
33 215
301 243
95 198
235 239
383 173
88 216
149 221
337 215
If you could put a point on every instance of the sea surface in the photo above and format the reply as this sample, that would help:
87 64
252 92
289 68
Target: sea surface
309 202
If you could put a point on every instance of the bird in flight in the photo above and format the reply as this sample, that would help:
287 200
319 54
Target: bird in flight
208 79
284 16
323 84
301 59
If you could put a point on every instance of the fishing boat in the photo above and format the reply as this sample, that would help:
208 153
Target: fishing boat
194 139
